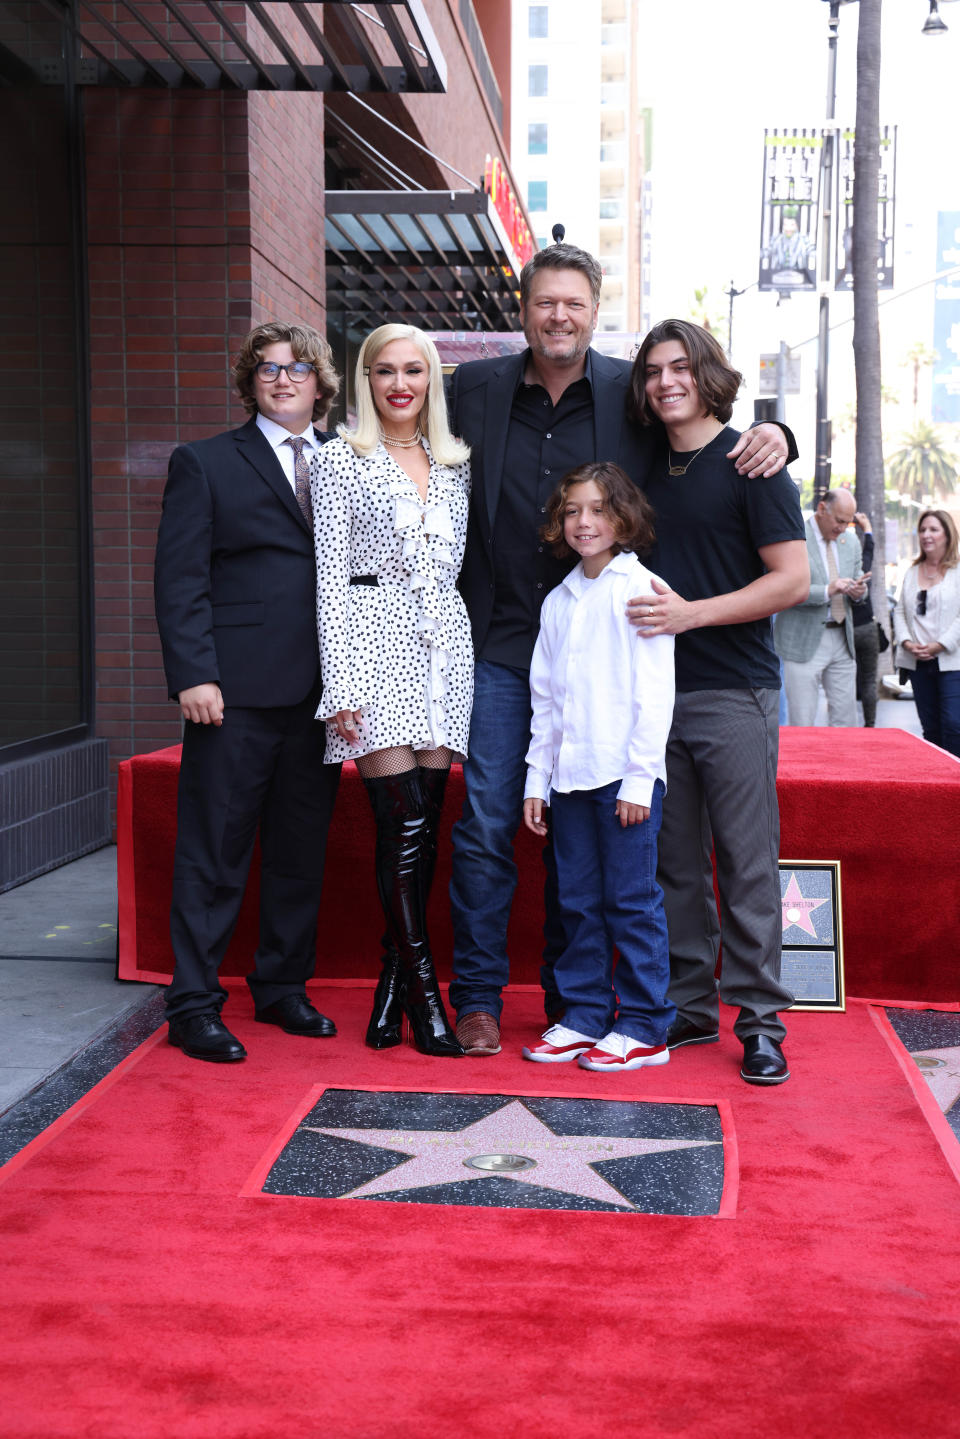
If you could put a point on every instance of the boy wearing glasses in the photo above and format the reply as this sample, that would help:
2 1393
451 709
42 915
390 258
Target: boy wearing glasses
235 591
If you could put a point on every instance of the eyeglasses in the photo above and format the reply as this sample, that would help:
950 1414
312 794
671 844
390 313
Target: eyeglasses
297 371
921 602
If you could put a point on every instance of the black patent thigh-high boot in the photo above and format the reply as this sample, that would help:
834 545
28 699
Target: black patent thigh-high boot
402 863
385 1029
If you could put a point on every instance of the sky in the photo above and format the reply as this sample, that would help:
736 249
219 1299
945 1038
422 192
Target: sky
717 74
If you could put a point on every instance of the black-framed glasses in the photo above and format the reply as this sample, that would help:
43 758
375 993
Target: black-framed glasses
921 602
297 370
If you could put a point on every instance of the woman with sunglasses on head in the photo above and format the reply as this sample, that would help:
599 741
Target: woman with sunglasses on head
390 500
926 629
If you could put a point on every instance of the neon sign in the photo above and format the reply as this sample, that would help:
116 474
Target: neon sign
505 203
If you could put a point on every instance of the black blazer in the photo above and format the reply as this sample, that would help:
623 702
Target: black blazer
235 576
480 394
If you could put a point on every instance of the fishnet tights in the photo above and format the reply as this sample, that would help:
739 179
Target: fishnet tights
400 759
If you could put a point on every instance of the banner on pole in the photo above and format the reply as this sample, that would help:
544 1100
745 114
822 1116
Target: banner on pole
946 321
791 209
886 204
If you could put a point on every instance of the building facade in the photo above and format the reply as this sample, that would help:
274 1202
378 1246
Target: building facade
577 142
181 173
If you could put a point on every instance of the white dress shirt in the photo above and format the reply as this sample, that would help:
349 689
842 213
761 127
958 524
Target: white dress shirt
277 438
602 694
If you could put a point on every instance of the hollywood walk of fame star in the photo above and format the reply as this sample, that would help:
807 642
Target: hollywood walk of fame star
798 911
943 1079
563 1162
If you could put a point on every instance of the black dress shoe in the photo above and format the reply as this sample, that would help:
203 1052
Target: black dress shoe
763 1061
682 1032
296 1015
205 1036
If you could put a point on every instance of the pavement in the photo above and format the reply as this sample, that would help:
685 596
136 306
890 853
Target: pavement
65 1019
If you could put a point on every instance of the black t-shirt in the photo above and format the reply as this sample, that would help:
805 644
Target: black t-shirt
544 442
710 524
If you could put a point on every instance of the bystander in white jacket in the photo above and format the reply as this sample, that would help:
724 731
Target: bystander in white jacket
602 697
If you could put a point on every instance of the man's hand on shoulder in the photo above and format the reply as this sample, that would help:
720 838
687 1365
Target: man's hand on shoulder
202 704
760 451
662 613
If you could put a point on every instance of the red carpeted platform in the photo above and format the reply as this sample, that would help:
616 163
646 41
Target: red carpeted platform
150 1289
884 803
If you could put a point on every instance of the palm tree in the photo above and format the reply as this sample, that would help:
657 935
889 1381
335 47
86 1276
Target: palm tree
919 356
866 315
924 465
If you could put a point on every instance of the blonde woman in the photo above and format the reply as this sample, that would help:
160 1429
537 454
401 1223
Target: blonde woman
926 629
390 499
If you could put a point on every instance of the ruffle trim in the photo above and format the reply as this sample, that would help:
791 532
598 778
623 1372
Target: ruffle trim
426 532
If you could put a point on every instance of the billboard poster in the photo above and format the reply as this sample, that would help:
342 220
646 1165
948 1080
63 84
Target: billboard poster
791 209
946 321
886 202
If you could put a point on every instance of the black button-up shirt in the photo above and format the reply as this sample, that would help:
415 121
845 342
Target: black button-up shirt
544 441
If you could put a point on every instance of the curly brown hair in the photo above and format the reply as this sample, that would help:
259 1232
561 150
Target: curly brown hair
628 510
306 344
717 382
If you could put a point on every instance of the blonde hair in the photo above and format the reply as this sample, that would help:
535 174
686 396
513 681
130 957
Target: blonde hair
365 435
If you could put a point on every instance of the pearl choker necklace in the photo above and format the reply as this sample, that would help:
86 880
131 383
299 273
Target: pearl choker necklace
399 443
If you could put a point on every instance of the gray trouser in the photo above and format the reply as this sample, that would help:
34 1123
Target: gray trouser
834 667
722 794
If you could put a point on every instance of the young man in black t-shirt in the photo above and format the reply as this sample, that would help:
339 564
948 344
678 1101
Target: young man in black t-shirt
733 552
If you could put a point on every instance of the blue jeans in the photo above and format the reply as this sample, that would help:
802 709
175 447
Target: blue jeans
609 896
937 696
484 874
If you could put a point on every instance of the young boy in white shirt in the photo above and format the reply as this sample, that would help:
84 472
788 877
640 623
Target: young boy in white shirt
602 707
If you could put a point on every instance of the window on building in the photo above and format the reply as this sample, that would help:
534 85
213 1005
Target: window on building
538 80
538 22
537 195
537 139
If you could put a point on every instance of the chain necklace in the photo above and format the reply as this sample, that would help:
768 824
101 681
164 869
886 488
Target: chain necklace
398 443
674 469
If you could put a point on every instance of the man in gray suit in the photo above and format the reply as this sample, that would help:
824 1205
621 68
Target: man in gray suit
815 638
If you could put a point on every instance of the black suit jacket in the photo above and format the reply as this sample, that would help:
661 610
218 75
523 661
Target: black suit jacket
480 394
235 576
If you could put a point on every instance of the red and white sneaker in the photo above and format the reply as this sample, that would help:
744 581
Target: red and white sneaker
620 1051
557 1045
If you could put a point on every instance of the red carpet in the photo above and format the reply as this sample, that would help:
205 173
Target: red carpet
883 803
143 1296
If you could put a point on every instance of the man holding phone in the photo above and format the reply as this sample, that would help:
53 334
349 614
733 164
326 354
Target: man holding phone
815 638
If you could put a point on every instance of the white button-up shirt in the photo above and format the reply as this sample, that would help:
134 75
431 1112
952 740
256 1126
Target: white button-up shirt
602 694
278 437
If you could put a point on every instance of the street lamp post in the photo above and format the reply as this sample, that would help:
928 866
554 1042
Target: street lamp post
821 479
934 26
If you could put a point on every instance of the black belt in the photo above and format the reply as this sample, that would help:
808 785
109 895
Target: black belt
364 580
828 624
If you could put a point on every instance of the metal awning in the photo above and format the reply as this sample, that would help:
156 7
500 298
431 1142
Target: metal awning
255 45
438 259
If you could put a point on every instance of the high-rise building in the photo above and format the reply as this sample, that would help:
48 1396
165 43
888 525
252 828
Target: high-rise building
575 136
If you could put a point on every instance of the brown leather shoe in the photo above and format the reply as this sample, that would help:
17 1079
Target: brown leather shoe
479 1034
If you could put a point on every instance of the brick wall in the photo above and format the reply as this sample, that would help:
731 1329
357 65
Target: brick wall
190 242
286 207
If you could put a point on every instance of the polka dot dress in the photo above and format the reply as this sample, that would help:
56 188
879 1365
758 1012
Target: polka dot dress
398 651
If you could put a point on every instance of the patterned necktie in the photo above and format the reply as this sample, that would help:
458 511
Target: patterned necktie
301 471
837 609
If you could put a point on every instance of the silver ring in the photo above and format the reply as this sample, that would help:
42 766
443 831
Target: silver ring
348 724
